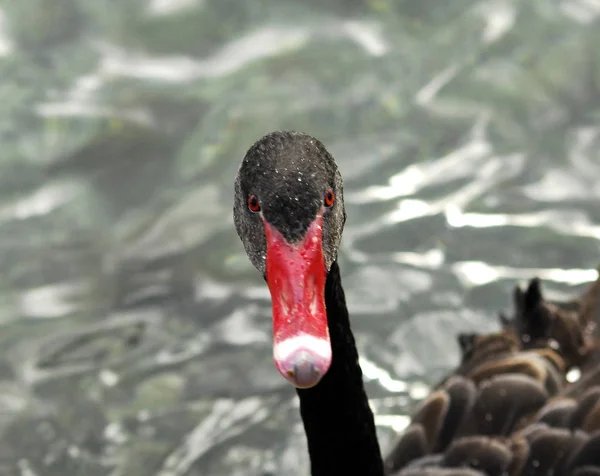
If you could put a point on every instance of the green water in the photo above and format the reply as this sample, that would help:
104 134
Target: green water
135 335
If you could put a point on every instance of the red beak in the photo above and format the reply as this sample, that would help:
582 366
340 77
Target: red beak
296 279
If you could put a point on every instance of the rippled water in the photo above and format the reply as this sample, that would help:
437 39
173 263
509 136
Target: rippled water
135 335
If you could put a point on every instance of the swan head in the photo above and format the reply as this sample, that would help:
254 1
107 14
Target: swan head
289 213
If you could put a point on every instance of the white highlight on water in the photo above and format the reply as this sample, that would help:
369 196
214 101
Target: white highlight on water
573 375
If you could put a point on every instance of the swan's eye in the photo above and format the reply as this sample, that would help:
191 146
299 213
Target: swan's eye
253 204
329 198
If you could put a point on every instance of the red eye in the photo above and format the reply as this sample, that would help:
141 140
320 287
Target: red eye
329 198
253 204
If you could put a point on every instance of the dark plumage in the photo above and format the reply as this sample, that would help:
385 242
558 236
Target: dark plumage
289 172
511 409
507 409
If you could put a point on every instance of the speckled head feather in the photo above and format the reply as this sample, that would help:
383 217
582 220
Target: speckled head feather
289 172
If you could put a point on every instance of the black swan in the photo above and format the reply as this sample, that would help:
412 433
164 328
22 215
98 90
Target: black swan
508 409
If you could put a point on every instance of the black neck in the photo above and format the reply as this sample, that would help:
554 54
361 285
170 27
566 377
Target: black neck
338 421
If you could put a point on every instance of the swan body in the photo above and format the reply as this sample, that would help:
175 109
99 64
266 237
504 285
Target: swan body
508 409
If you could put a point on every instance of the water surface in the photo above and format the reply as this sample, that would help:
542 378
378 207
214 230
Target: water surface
135 335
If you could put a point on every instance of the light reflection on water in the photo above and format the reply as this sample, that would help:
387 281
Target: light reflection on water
136 336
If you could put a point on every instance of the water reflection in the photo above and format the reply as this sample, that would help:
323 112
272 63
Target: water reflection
135 333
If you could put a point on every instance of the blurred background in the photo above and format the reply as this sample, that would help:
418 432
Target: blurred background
135 337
